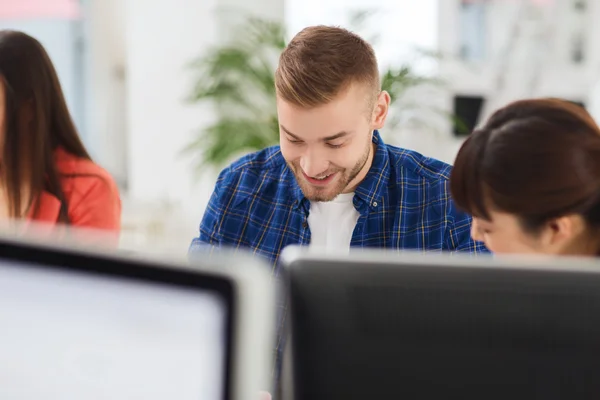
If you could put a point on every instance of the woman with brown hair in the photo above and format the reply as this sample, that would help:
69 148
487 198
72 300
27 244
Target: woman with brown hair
531 179
46 174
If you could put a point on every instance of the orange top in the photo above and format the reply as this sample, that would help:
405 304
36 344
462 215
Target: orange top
91 194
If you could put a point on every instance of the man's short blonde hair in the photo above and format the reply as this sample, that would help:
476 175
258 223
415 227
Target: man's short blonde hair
320 62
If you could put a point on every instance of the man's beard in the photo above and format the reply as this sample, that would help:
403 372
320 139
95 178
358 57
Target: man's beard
341 181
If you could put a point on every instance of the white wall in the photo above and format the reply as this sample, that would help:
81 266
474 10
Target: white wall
105 123
161 41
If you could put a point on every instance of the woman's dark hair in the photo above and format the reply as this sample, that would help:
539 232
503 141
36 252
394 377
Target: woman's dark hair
538 159
37 121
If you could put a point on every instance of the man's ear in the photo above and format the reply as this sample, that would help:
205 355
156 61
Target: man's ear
380 110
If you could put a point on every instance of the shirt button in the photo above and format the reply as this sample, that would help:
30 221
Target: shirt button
374 204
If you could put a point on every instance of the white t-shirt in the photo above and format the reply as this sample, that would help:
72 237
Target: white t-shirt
332 223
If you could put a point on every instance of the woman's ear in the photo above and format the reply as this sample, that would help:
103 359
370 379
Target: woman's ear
560 232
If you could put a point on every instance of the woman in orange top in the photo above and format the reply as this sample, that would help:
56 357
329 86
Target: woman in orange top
46 174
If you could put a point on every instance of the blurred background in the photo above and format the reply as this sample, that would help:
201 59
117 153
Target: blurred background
165 93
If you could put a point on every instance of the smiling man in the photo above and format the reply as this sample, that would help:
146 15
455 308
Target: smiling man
332 182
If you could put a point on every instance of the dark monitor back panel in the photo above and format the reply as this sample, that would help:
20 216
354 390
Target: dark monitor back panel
413 332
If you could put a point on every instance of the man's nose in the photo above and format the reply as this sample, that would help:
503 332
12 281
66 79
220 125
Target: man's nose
313 165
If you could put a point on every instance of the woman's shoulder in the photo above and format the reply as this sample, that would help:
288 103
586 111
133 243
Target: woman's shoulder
90 190
81 173
70 165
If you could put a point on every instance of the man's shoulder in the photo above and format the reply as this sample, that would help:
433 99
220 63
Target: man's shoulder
245 197
263 161
263 172
411 165
264 164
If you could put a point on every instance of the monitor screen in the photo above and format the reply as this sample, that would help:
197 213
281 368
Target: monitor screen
75 335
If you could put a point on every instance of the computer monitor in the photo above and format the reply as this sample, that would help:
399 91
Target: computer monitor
383 325
83 325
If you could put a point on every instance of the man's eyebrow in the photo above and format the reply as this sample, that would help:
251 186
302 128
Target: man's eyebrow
283 128
325 139
336 136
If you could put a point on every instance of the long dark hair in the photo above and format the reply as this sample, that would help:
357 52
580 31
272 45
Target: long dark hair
37 121
538 159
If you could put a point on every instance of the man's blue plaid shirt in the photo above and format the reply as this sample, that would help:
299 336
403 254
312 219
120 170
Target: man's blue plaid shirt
404 203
